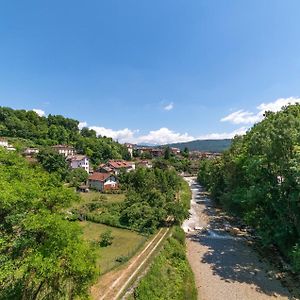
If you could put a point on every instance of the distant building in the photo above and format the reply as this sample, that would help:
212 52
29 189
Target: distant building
65 150
79 161
175 151
4 144
157 152
129 148
31 151
115 166
145 163
103 182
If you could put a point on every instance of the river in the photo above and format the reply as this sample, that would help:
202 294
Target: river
225 266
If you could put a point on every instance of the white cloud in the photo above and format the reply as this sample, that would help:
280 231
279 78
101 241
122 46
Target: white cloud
160 136
164 136
247 117
82 124
169 107
278 104
40 112
241 117
122 135
224 135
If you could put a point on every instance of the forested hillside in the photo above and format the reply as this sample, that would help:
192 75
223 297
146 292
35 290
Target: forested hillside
30 128
42 255
258 179
204 145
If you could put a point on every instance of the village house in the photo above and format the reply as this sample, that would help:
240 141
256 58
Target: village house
129 148
142 150
157 152
175 151
4 143
65 150
103 168
145 164
102 182
79 161
115 166
31 151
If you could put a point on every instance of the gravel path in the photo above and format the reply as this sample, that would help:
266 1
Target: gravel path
225 267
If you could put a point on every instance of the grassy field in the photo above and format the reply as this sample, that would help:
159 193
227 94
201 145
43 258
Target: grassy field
125 244
94 196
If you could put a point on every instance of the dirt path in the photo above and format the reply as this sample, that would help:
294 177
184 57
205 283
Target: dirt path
225 267
113 284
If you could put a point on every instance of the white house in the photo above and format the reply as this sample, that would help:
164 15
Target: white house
79 161
31 151
65 150
129 148
3 143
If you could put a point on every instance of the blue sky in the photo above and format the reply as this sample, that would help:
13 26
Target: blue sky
151 71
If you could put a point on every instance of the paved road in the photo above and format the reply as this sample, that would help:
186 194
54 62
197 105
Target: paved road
225 267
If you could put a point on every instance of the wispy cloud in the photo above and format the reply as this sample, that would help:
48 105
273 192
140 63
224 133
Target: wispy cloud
40 112
169 106
249 117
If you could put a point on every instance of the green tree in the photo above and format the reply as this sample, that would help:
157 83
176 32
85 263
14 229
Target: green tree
48 252
106 238
53 162
258 180
77 176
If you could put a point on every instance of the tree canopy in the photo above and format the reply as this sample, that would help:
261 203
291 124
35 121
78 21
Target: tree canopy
42 255
56 129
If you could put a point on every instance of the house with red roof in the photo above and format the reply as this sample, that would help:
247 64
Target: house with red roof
115 166
103 181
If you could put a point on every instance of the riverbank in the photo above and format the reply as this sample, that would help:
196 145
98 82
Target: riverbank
225 267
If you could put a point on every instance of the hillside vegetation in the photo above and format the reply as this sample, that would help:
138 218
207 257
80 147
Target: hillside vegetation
204 145
170 276
258 179
151 198
31 130
42 255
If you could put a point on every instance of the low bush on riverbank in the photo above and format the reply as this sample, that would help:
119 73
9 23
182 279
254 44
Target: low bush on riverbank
170 275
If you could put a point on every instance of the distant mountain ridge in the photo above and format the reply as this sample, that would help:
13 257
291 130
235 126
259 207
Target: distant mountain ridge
204 145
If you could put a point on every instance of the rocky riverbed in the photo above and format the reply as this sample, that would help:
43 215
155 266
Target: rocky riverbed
220 254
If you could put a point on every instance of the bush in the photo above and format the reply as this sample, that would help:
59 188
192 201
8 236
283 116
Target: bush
106 238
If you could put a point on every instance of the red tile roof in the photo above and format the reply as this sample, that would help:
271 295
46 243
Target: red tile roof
118 164
99 176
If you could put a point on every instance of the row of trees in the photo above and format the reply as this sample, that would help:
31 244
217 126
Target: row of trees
151 199
56 129
42 255
258 179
